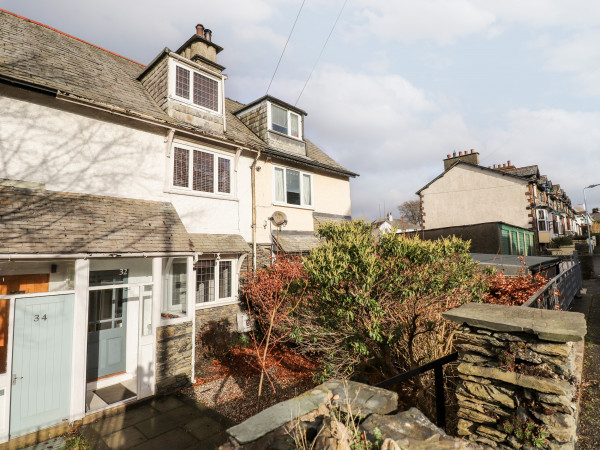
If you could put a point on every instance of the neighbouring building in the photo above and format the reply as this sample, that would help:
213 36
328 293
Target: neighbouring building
517 208
131 198
401 226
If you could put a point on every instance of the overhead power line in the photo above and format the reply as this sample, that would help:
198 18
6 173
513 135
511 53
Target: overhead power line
322 49
285 46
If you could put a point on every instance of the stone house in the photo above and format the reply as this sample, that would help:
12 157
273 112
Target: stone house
530 207
131 199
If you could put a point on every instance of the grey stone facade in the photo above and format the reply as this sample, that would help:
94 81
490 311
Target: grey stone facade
519 371
256 120
173 357
195 116
285 143
226 315
156 82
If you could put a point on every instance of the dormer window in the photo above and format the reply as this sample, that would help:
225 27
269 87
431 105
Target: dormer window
196 88
285 121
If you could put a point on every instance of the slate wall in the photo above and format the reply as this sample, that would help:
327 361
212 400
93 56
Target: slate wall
173 357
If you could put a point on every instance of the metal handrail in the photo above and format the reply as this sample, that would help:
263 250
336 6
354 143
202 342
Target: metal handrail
438 367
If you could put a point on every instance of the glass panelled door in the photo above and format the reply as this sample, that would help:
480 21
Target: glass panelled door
107 326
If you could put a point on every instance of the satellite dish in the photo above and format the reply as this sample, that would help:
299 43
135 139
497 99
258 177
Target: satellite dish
279 219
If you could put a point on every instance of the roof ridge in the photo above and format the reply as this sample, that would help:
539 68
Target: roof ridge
69 35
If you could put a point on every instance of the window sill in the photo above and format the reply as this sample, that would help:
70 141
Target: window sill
186 102
174 321
192 193
287 205
216 304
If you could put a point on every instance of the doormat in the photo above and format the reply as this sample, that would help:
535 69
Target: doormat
115 393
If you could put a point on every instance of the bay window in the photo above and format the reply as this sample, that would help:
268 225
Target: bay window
201 171
214 281
292 187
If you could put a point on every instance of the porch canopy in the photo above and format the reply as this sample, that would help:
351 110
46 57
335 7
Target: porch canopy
39 222
295 241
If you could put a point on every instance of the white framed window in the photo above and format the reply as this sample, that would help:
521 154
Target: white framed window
292 187
175 277
215 281
542 220
285 121
195 87
201 170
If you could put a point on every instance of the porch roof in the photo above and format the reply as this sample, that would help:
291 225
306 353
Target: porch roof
296 241
36 221
219 243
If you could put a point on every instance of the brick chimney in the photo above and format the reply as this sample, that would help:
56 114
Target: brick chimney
470 156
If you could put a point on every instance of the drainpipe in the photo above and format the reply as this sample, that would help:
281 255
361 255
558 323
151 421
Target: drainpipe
253 182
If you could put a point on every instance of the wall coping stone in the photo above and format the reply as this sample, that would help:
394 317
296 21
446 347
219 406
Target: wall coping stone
362 398
555 326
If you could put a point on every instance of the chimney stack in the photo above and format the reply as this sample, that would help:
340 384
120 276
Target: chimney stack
468 156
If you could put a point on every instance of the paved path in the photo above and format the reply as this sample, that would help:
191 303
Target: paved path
589 420
171 423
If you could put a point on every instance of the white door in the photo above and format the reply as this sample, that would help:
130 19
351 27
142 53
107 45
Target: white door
41 366
146 344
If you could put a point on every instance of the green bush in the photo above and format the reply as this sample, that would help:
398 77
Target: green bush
561 241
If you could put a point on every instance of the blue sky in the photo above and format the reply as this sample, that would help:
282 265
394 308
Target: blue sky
400 84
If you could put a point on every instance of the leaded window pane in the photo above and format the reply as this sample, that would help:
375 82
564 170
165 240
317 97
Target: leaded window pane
205 281
206 92
180 167
203 174
224 175
182 82
224 279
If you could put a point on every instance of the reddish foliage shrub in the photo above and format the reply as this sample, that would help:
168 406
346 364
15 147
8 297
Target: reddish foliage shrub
506 290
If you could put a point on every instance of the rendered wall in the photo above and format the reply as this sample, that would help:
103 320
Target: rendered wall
78 149
467 195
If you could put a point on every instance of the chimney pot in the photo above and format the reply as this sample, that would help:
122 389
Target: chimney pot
208 35
503 165
509 163
472 151
448 156
200 30
489 167
459 153
454 154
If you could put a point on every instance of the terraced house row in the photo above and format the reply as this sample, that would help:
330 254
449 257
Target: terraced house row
132 199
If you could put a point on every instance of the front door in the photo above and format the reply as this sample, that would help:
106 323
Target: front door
42 358
107 326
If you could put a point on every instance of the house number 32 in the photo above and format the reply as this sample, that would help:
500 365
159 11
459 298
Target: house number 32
36 317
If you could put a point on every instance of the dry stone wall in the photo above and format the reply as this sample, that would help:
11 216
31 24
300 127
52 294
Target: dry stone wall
519 374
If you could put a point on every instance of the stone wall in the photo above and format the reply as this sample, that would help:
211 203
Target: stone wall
226 315
286 143
327 417
156 82
519 372
173 356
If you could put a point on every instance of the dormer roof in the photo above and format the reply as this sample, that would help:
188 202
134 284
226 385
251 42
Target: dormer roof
275 100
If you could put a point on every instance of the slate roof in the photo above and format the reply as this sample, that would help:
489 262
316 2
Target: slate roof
296 241
48 222
47 59
219 243
525 172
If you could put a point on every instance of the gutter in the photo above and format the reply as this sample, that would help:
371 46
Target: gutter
30 256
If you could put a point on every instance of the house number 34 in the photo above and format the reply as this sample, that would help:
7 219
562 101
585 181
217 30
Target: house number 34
36 317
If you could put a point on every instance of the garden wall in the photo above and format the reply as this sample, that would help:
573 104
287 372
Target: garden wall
519 374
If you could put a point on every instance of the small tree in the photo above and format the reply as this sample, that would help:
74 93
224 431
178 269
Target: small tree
411 211
272 294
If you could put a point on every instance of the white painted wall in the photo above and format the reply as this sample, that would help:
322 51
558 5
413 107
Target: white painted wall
331 195
49 141
468 195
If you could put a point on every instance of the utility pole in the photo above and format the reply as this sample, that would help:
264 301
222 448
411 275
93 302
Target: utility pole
587 217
